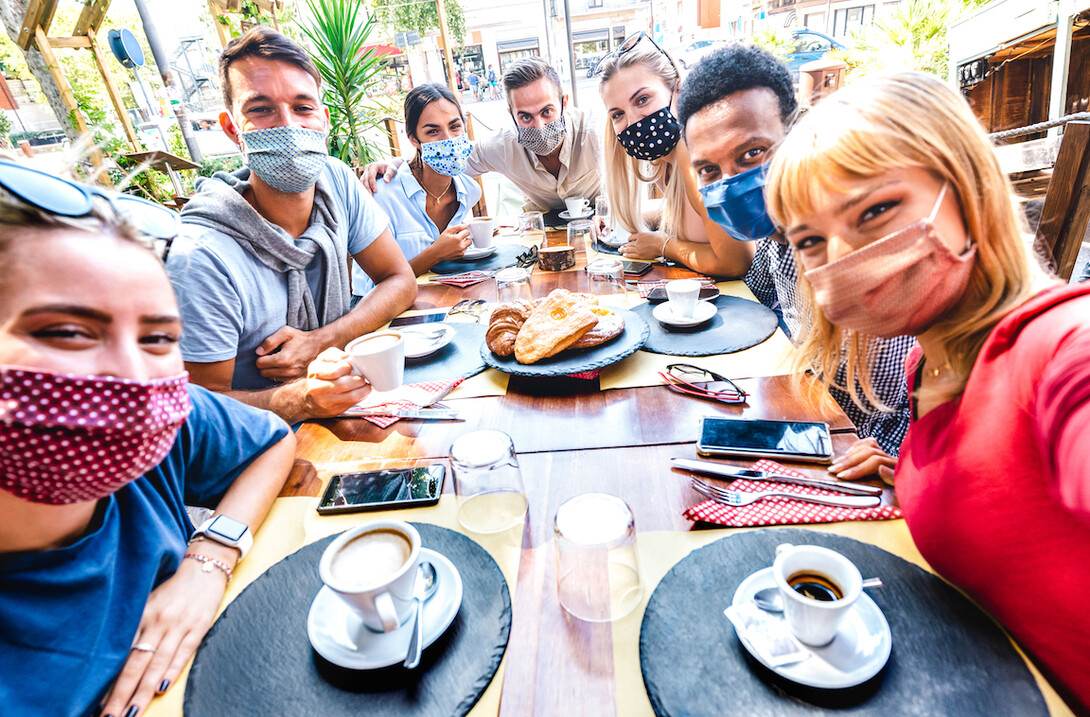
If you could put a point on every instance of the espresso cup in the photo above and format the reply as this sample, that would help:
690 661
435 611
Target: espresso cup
373 569
380 358
577 206
819 587
481 230
683 295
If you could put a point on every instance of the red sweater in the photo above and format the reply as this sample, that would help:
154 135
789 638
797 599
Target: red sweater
995 486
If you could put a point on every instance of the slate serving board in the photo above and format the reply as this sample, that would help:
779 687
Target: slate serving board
948 658
506 255
257 659
738 324
461 358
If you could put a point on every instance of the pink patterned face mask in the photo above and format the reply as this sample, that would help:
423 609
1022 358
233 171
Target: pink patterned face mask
896 286
67 439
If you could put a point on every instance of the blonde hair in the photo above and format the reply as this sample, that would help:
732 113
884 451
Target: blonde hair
891 122
624 174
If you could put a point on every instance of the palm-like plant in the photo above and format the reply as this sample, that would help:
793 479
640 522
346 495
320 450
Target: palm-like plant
338 30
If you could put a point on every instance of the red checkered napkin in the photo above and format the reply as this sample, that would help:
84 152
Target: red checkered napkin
646 287
782 511
467 278
588 375
407 397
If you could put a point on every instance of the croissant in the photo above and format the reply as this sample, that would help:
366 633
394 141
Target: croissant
504 325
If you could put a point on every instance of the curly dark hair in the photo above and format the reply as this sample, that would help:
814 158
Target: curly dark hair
731 69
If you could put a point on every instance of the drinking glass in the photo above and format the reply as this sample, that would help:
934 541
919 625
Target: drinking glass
532 228
581 234
487 481
513 283
606 278
598 576
601 210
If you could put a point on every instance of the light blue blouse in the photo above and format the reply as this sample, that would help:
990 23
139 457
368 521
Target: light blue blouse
402 199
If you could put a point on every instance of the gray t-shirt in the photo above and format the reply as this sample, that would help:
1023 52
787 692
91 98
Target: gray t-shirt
230 302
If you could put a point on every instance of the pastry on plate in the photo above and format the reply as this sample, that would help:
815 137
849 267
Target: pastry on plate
504 325
609 326
554 325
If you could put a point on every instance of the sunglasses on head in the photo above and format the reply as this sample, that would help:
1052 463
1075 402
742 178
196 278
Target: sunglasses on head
68 199
702 383
627 46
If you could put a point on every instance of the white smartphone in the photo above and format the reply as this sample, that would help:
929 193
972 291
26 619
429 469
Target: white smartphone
793 440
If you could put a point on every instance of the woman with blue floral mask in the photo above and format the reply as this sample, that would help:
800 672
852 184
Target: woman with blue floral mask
430 200
643 145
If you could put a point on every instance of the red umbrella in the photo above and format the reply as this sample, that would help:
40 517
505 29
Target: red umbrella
383 50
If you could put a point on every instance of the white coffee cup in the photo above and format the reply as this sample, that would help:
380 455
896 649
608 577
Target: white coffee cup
683 295
577 206
813 621
373 568
380 358
481 230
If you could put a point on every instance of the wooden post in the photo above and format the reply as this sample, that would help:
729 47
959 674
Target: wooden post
451 76
390 125
480 209
115 96
69 101
221 29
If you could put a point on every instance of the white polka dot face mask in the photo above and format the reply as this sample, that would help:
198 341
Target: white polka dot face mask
653 137
67 439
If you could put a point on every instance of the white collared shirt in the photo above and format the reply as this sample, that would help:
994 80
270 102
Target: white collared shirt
580 163
403 199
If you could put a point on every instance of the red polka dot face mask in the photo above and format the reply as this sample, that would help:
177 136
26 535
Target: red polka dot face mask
67 439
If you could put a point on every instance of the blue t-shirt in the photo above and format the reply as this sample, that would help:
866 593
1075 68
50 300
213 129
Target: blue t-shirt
230 302
403 201
68 616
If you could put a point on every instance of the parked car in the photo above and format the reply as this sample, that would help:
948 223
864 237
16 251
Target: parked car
809 45
694 52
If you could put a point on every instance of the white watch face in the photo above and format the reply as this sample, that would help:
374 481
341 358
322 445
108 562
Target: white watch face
228 529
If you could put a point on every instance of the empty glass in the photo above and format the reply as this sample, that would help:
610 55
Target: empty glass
601 210
581 234
488 482
606 279
513 283
598 576
532 228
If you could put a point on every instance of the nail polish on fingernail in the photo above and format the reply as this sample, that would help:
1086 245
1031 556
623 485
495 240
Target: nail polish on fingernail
164 685
131 712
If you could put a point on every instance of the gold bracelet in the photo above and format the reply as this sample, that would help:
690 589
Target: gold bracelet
662 252
210 564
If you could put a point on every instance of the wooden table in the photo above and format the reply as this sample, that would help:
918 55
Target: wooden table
572 438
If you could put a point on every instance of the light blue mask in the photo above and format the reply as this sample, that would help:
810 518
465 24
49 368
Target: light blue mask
288 159
447 156
738 204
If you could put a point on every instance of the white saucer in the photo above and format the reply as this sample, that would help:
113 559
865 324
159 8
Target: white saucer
334 628
617 237
858 652
474 252
664 312
568 217
418 346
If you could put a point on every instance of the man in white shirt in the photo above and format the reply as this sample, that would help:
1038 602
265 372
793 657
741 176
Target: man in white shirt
551 154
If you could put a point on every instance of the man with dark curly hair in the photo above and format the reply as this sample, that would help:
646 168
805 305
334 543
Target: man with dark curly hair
735 107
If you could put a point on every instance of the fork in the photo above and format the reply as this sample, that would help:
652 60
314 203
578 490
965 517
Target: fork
737 498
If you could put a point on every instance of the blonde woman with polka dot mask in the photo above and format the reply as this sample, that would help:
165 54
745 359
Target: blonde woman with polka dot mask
106 589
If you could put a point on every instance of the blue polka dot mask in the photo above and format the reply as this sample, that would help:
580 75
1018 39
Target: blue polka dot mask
653 137
288 159
447 156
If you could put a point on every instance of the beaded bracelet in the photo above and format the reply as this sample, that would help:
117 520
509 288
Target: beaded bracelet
210 564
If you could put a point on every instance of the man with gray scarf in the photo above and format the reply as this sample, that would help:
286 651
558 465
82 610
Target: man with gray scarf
261 266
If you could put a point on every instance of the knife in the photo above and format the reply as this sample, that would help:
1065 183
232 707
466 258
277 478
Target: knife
434 414
720 469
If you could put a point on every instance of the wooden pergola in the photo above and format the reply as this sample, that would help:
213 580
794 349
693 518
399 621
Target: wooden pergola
221 8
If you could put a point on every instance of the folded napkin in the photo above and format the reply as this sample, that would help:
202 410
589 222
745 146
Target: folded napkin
466 278
589 375
407 397
782 511
646 287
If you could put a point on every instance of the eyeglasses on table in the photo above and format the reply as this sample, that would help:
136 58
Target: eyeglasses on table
702 383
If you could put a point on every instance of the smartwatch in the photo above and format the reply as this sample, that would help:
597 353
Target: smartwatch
227 531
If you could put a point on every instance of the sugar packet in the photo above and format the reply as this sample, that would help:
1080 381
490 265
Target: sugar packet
766 634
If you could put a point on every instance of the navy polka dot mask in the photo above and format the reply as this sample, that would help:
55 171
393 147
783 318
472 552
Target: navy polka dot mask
653 137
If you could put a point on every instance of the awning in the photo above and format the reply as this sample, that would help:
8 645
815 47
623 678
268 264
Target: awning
383 50
529 43
590 35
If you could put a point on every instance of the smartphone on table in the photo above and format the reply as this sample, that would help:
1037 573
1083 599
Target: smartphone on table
635 268
418 319
791 440
383 489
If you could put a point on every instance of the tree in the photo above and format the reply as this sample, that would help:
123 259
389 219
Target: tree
406 15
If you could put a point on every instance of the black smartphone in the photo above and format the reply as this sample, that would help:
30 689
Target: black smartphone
418 319
636 268
794 440
382 490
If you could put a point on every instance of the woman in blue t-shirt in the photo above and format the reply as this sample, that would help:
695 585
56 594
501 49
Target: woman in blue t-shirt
430 200
106 590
